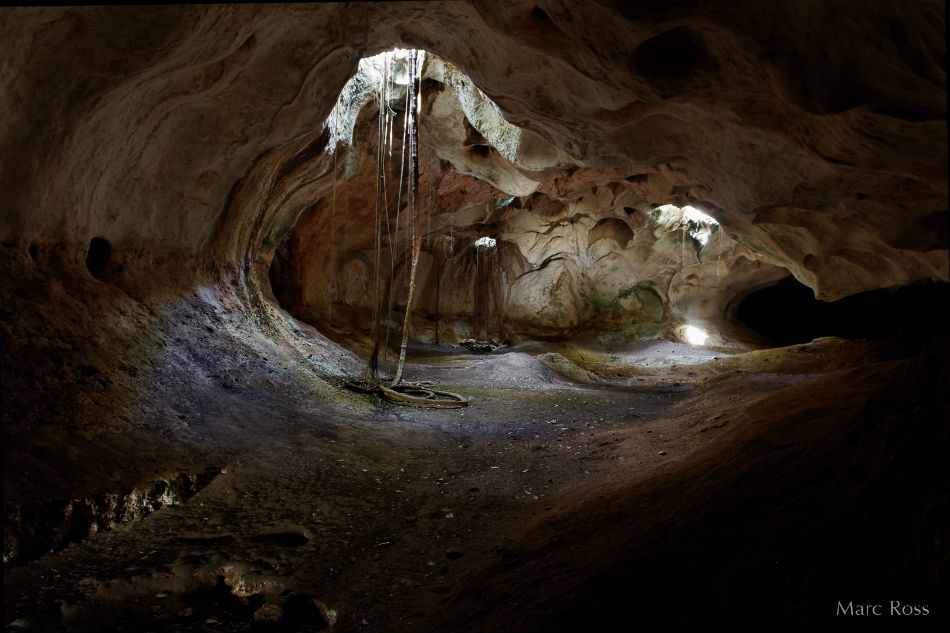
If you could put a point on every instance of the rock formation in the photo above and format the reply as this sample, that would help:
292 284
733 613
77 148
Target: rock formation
183 218
828 160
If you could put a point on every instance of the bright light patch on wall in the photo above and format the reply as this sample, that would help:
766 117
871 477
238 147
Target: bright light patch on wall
694 336
484 114
485 242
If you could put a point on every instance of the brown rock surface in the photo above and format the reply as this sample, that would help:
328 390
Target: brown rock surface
742 119
187 264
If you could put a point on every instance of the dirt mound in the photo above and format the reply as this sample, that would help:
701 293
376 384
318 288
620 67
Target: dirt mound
568 368
515 369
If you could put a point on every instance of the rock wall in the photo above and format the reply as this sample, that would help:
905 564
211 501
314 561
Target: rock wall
576 251
816 133
154 148
156 157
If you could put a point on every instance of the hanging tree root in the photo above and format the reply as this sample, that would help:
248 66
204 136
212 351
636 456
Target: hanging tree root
394 391
409 394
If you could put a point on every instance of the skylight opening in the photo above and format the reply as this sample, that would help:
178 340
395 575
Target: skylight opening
391 66
501 203
485 242
700 226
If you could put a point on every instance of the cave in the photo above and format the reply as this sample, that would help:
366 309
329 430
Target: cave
475 316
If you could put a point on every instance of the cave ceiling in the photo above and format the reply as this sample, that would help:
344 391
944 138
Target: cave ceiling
814 132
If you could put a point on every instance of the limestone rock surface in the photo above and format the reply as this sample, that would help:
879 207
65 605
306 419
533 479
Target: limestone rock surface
184 245
814 133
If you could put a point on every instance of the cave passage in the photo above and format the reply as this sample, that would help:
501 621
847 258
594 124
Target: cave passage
98 256
788 313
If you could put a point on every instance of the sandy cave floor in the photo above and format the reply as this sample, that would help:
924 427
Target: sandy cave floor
378 517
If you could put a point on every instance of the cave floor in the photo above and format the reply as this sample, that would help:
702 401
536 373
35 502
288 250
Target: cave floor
525 510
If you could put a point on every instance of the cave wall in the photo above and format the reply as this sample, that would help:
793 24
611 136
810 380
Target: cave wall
815 131
571 258
181 144
577 251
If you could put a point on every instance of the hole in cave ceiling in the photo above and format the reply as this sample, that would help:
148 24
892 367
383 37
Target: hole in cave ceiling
386 77
698 224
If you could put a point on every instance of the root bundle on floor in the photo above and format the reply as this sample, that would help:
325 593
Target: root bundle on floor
409 394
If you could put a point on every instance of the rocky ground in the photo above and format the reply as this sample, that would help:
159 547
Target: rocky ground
658 484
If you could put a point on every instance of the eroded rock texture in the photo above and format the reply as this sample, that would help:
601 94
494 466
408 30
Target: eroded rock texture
814 133
150 150
170 191
580 250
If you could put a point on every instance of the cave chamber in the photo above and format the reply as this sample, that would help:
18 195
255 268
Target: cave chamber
685 266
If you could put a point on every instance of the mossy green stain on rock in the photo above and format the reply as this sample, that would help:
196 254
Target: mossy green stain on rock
641 299
279 230
635 289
